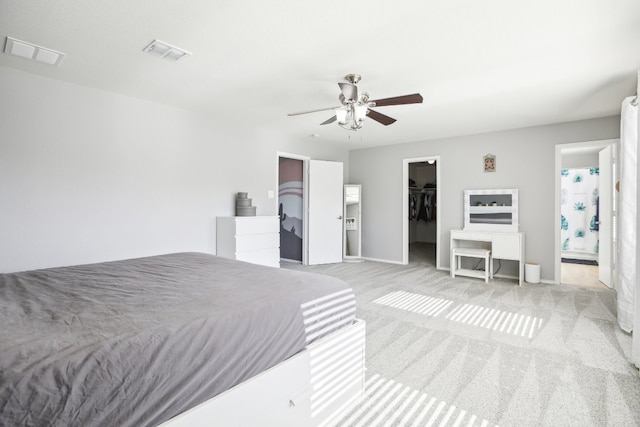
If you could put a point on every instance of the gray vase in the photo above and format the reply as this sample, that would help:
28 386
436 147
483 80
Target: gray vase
243 205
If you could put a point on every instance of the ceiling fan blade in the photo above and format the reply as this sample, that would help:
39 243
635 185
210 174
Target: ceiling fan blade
415 98
380 118
329 120
349 91
312 111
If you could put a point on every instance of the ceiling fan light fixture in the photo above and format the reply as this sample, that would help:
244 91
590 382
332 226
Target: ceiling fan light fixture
350 118
360 112
342 116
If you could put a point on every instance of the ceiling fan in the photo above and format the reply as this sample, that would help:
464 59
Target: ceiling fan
356 106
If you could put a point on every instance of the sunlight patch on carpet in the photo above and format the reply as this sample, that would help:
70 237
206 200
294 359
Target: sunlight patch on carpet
497 320
503 321
416 303
389 403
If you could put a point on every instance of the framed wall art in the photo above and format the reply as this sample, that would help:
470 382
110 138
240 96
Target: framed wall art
489 163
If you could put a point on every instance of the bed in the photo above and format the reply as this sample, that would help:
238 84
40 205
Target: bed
177 339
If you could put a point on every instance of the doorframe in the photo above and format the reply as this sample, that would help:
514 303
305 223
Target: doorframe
405 206
305 196
584 147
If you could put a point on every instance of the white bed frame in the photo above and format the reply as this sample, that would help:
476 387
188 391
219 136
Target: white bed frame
313 388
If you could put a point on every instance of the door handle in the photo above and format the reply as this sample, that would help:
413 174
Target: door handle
340 217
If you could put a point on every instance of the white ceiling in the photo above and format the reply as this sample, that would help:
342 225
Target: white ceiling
480 65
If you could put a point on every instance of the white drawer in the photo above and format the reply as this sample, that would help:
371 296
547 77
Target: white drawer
288 410
477 236
269 257
506 246
257 225
253 242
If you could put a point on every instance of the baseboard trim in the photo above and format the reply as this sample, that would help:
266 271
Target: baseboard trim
499 276
388 261
505 276
290 261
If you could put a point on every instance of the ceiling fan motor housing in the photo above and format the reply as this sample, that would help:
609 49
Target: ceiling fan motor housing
353 78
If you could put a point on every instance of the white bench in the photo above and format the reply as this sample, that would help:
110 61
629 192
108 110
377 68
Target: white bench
456 263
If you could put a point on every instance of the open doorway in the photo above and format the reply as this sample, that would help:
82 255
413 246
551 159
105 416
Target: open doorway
291 207
420 224
585 205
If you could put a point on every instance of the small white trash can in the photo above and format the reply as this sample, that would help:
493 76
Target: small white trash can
532 273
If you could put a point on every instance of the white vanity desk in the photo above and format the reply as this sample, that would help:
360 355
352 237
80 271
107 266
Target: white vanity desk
490 224
503 245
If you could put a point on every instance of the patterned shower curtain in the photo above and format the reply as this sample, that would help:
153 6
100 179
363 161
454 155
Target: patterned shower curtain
579 212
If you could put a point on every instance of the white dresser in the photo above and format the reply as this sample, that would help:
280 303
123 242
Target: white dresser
253 239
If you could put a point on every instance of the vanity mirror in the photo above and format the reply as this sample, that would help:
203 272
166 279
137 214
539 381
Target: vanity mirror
352 220
492 210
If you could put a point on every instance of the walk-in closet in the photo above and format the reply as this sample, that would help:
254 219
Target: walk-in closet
422 212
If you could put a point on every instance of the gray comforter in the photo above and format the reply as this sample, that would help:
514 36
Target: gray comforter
136 342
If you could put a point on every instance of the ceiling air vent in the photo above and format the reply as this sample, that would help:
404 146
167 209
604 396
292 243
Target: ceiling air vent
32 51
165 50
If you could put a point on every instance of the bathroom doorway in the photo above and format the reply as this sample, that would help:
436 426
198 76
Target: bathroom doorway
587 213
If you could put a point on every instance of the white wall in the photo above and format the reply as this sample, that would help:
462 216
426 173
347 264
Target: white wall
524 160
89 176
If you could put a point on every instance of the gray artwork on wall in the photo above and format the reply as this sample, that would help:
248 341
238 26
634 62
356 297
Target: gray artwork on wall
290 209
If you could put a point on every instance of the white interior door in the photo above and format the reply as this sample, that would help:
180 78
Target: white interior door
605 227
325 212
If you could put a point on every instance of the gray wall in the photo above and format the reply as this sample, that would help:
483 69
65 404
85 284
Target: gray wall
524 160
89 176
581 160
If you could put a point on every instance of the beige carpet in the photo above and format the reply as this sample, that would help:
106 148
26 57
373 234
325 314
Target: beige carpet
459 352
